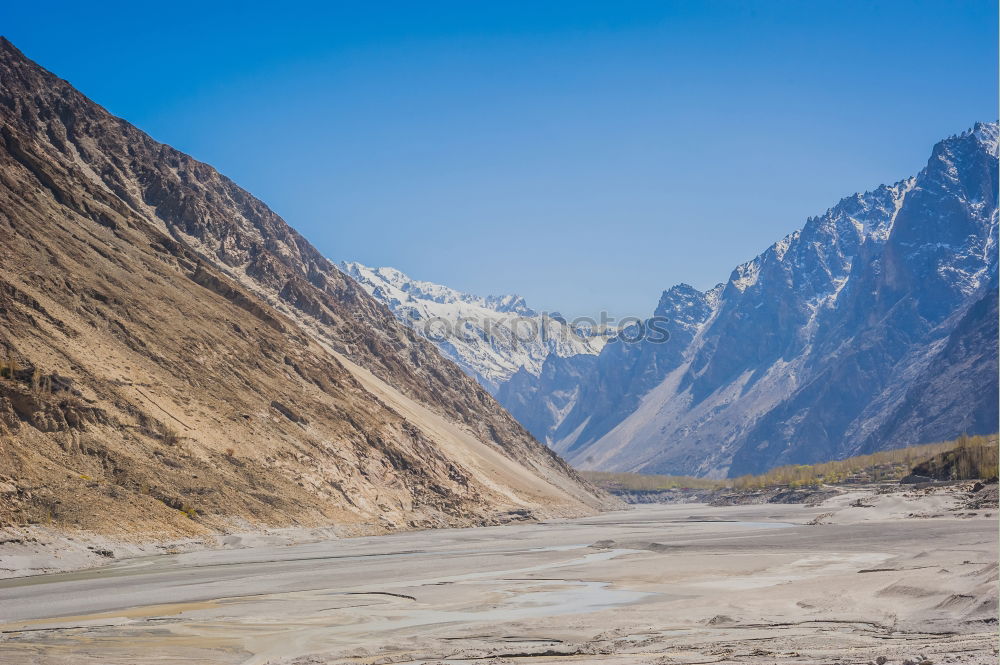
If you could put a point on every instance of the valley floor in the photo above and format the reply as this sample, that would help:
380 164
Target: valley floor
905 575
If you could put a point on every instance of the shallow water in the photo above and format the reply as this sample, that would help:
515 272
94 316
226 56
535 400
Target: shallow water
574 597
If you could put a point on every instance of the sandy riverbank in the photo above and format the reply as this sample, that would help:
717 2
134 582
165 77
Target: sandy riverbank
907 575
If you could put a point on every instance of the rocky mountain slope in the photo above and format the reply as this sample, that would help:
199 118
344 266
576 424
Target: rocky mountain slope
177 359
874 326
491 338
552 407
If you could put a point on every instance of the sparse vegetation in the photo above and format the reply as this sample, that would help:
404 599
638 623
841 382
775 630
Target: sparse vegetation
640 482
964 458
972 457
8 369
40 382
169 435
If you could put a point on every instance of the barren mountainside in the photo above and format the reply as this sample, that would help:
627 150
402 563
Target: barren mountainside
176 358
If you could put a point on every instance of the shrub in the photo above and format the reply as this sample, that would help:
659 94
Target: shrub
967 457
169 435
8 369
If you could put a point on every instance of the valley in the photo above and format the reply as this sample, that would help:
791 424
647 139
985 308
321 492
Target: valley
902 575
871 327
219 446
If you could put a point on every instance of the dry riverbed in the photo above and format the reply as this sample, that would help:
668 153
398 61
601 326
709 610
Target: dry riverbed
909 575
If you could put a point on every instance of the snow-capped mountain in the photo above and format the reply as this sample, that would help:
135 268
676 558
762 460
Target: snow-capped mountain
563 396
874 326
491 337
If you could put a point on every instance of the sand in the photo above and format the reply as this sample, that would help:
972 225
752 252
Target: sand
909 575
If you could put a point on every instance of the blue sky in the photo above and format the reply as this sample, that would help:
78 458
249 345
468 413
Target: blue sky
586 155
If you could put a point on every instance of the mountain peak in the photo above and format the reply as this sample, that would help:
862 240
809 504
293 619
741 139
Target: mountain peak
988 133
490 337
820 346
8 50
682 303
415 289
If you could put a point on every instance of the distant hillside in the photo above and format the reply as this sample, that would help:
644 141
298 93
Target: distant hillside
965 458
492 338
874 326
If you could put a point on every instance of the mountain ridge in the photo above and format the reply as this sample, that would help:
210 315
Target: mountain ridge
725 388
171 340
468 329
791 327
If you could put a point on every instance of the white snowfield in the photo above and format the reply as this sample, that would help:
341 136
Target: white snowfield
490 337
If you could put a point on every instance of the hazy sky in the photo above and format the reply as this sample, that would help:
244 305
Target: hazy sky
586 155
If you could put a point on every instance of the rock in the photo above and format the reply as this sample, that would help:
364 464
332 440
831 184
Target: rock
914 479
289 413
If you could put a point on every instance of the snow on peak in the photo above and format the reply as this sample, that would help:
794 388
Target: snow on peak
685 305
988 133
408 289
746 275
491 337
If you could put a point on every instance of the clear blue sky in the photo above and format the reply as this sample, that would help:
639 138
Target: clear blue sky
584 154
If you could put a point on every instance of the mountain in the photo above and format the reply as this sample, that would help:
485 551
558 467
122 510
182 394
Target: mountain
492 338
874 326
563 404
541 402
177 359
